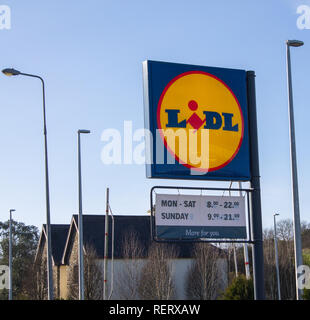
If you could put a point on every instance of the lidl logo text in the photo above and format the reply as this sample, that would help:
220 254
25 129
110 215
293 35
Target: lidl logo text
212 120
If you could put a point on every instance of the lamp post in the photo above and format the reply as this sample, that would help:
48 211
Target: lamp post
10 257
106 248
297 228
276 254
81 257
13 72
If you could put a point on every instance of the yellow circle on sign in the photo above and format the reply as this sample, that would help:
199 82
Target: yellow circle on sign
200 121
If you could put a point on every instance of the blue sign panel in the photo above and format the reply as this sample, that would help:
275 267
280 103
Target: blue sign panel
197 122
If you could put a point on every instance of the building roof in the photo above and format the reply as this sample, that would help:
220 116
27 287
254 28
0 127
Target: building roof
59 234
94 230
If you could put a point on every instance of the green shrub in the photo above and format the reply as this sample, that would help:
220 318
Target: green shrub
306 294
306 257
240 289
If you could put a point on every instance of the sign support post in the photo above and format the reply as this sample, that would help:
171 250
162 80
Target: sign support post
256 212
106 239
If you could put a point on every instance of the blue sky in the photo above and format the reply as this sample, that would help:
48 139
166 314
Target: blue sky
90 54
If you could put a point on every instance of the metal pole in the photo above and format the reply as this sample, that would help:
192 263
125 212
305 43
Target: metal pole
106 239
246 261
10 258
112 255
81 256
297 228
234 245
47 196
245 248
276 254
256 213
235 260
48 223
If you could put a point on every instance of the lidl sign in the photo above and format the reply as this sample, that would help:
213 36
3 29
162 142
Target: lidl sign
197 120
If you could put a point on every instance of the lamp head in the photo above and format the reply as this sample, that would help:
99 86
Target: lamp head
276 214
10 72
12 210
294 43
84 131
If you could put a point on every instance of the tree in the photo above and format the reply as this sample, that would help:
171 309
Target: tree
156 282
93 277
305 235
285 230
37 280
239 249
24 244
286 261
204 278
73 281
128 279
240 289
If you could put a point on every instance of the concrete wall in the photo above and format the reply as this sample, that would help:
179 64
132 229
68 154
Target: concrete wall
180 268
68 275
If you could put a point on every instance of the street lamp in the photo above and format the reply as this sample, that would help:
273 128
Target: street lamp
276 254
297 228
10 72
10 257
13 72
81 257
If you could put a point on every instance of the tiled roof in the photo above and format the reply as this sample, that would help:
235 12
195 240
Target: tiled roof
94 230
59 234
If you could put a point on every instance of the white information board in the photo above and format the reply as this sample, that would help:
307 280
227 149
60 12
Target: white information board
200 216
